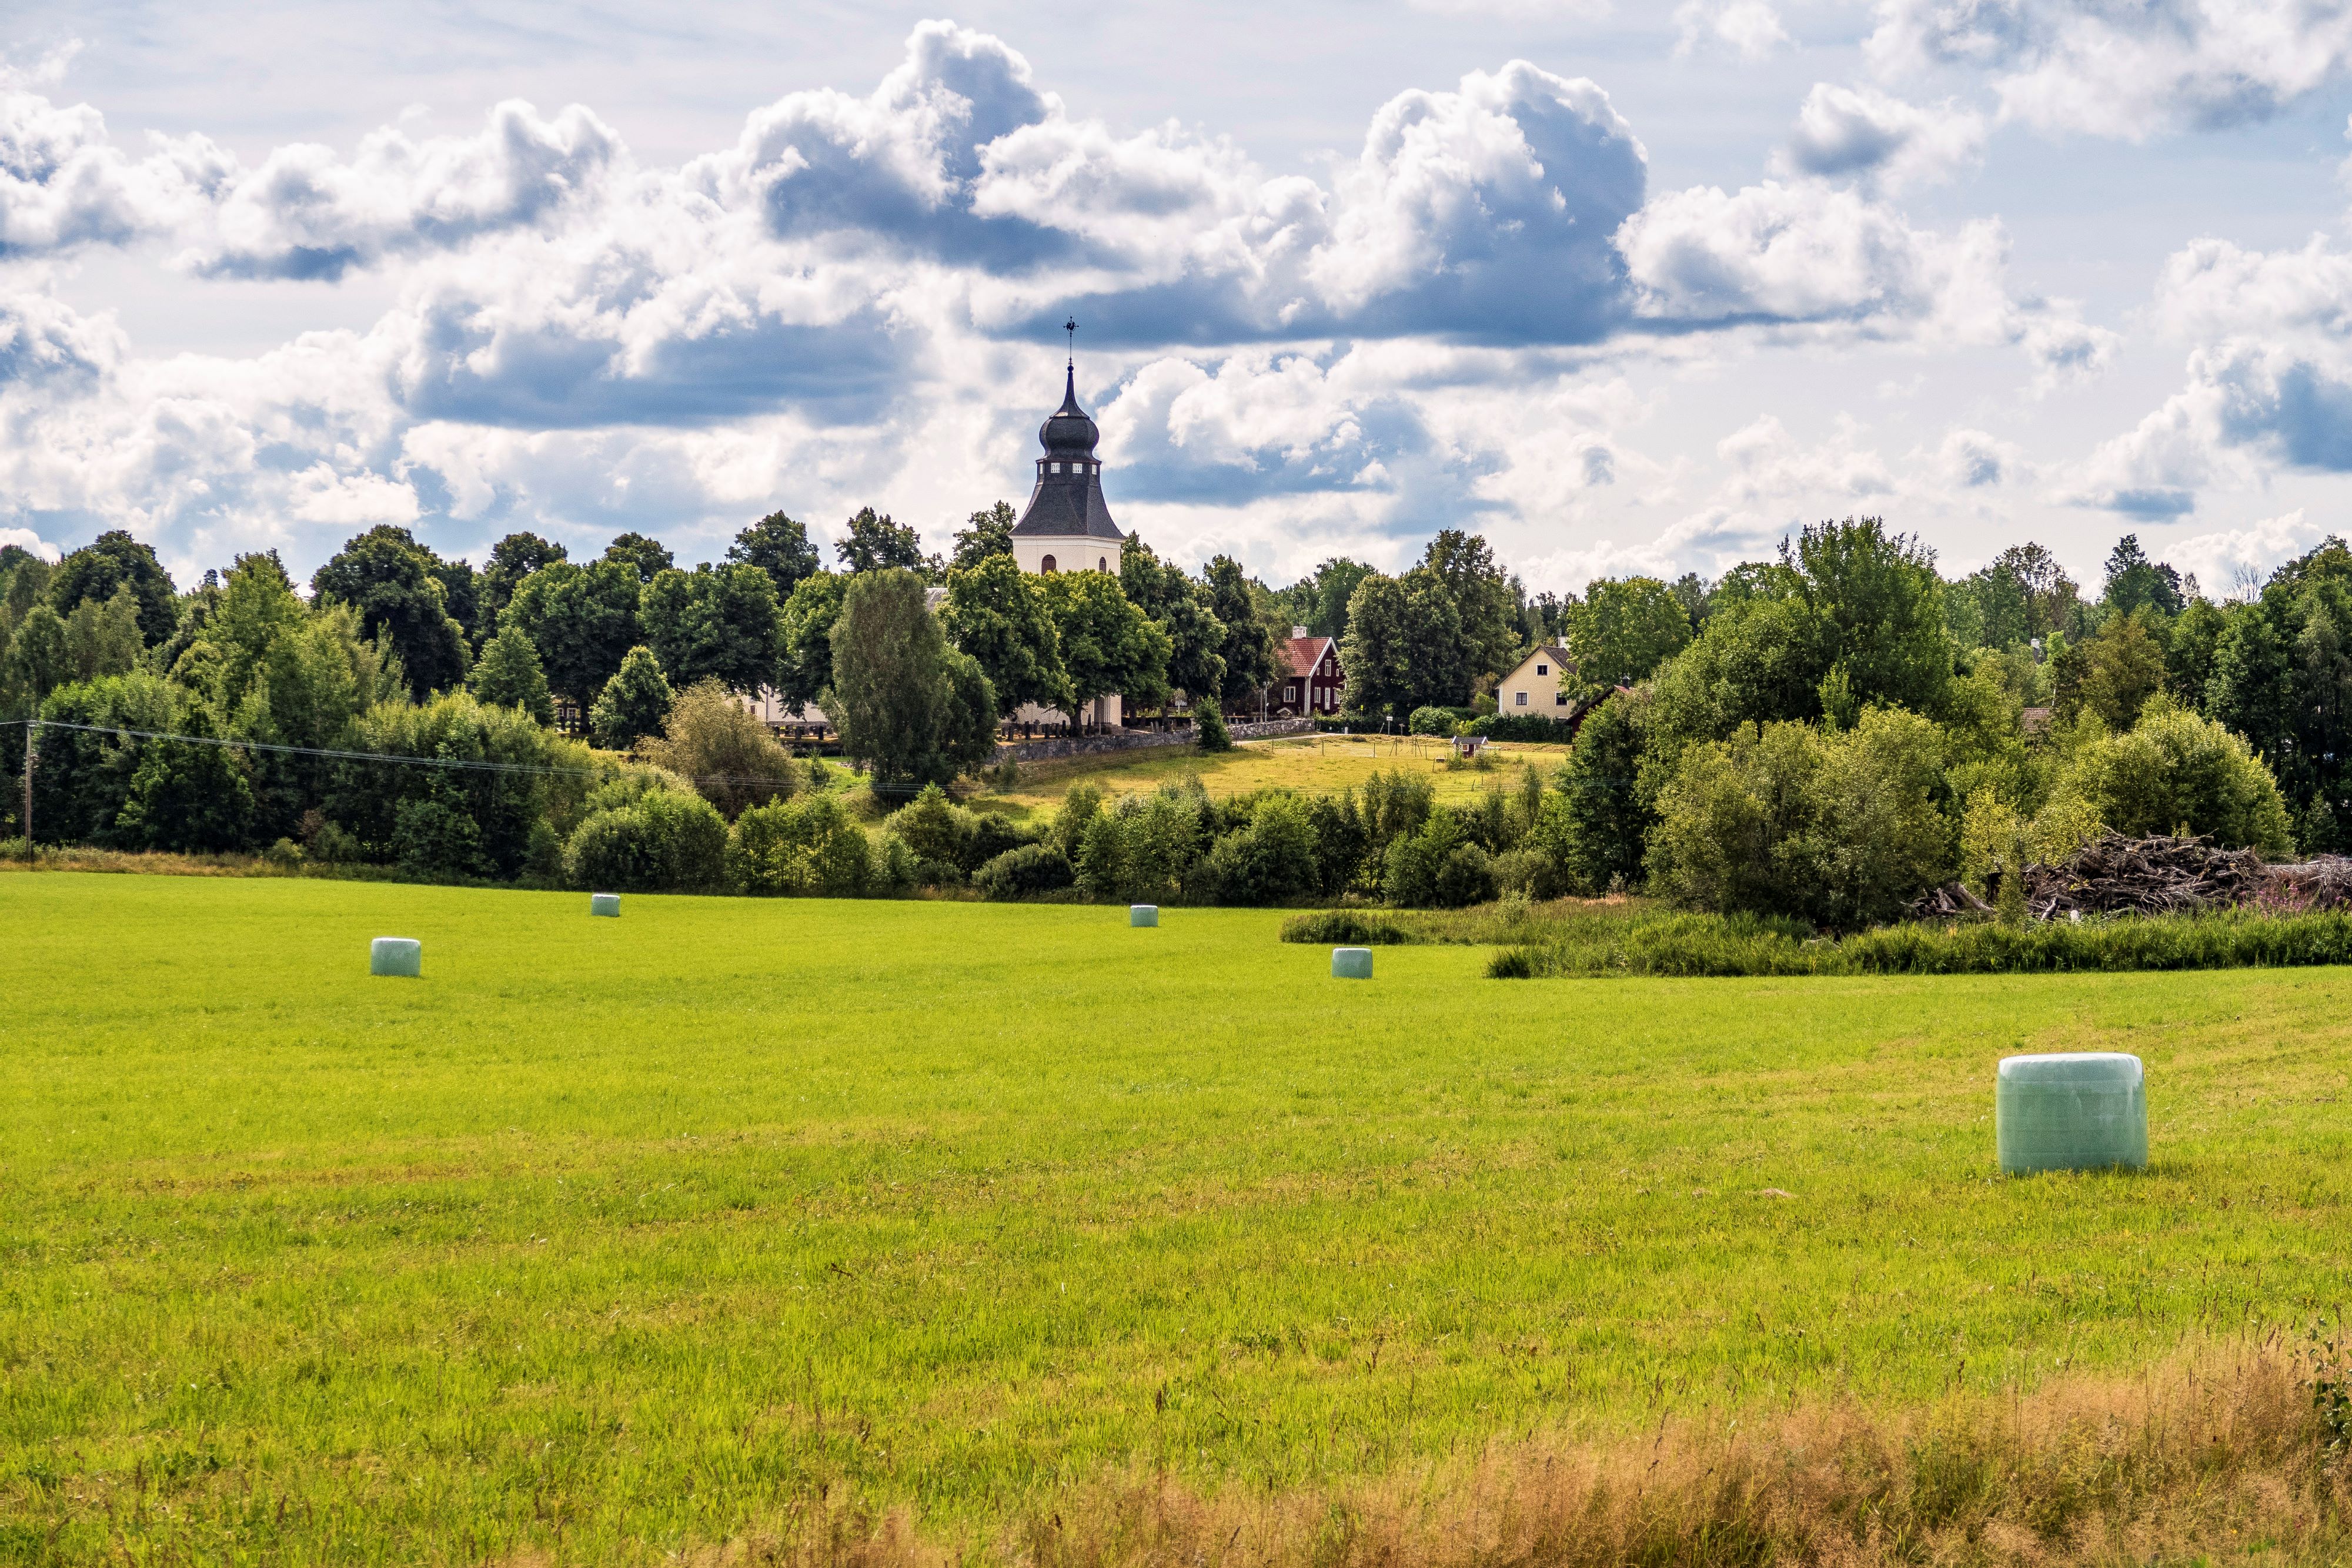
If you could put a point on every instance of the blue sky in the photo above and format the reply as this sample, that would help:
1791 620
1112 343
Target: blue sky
1628 287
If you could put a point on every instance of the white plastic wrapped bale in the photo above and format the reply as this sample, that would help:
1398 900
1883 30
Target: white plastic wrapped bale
1143 914
2083 1110
1351 963
604 903
396 956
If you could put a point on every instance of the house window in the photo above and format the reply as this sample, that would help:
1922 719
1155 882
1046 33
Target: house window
1045 565
1518 699
1559 699
1543 669
1102 563
1290 692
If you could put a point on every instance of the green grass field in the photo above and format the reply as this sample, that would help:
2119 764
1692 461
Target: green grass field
1316 764
614 1237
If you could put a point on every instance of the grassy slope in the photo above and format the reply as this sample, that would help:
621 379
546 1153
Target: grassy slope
1313 764
627 1230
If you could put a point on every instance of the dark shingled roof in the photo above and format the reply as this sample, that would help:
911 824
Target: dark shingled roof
1068 504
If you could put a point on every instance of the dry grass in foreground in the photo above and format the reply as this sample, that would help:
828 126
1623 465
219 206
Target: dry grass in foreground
2235 1453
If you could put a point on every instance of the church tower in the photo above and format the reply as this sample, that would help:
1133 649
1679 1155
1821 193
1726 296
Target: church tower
1067 525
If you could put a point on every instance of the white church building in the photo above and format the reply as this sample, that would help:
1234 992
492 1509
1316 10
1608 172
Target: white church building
1067 525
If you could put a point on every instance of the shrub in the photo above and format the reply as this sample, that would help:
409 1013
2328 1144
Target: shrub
1341 841
1529 873
1429 721
646 833
1019 872
1269 861
1532 728
1440 867
1839 827
935 828
809 848
285 855
1345 927
993 835
2178 768
727 755
1209 725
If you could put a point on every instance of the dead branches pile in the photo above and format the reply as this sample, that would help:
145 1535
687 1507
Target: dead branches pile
2157 875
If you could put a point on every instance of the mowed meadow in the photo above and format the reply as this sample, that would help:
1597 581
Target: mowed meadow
614 1238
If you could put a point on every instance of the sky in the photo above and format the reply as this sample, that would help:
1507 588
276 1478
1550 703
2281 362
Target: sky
1626 288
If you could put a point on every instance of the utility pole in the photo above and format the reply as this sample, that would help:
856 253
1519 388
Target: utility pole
32 747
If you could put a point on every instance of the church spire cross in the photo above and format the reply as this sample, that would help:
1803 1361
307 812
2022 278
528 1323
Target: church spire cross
1071 327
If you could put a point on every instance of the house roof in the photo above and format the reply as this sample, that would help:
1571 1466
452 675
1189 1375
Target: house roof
1301 654
1560 659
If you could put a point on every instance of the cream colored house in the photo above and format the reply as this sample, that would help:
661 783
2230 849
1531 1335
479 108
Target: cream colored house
1533 688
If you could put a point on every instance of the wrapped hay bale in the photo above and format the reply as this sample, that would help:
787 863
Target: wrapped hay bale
396 956
604 903
1143 914
2071 1112
1351 963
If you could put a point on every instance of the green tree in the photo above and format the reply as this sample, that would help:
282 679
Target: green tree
582 619
986 535
508 674
875 543
1623 630
2136 582
1878 607
104 639
1838 827
104 564
900 694
188 796
634 703
2123 668
1595 823
713 741
1108 645
1329 589
40 654
1249 650
997 613
2175 769
1404 647
718 624
804 668
388 578
647 558
1483 602
512 559
780 547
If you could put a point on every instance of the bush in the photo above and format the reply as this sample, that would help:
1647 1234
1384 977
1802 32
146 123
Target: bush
1529 873
809 848
1020 872
1839 827
646 833
1530 728
1148 847
716 744
1440 867
1269 861
2177 768
1747 945
1346 928
634 703
937 830
1209 725
1429 721
992 836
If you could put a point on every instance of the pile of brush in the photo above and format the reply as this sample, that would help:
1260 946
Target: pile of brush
2157 875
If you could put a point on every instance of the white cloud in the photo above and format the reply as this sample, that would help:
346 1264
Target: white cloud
1866 135
26 539
2128 69
1972 460
2229 562
1750 29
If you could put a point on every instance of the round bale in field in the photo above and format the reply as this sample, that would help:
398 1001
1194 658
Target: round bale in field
1143 914
1351 963
2071 1112
396 956
604 903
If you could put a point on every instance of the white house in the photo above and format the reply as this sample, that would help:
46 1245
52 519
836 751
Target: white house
1533 686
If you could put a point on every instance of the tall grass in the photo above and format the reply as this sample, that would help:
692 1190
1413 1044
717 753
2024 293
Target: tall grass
2226 1451
1707 944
